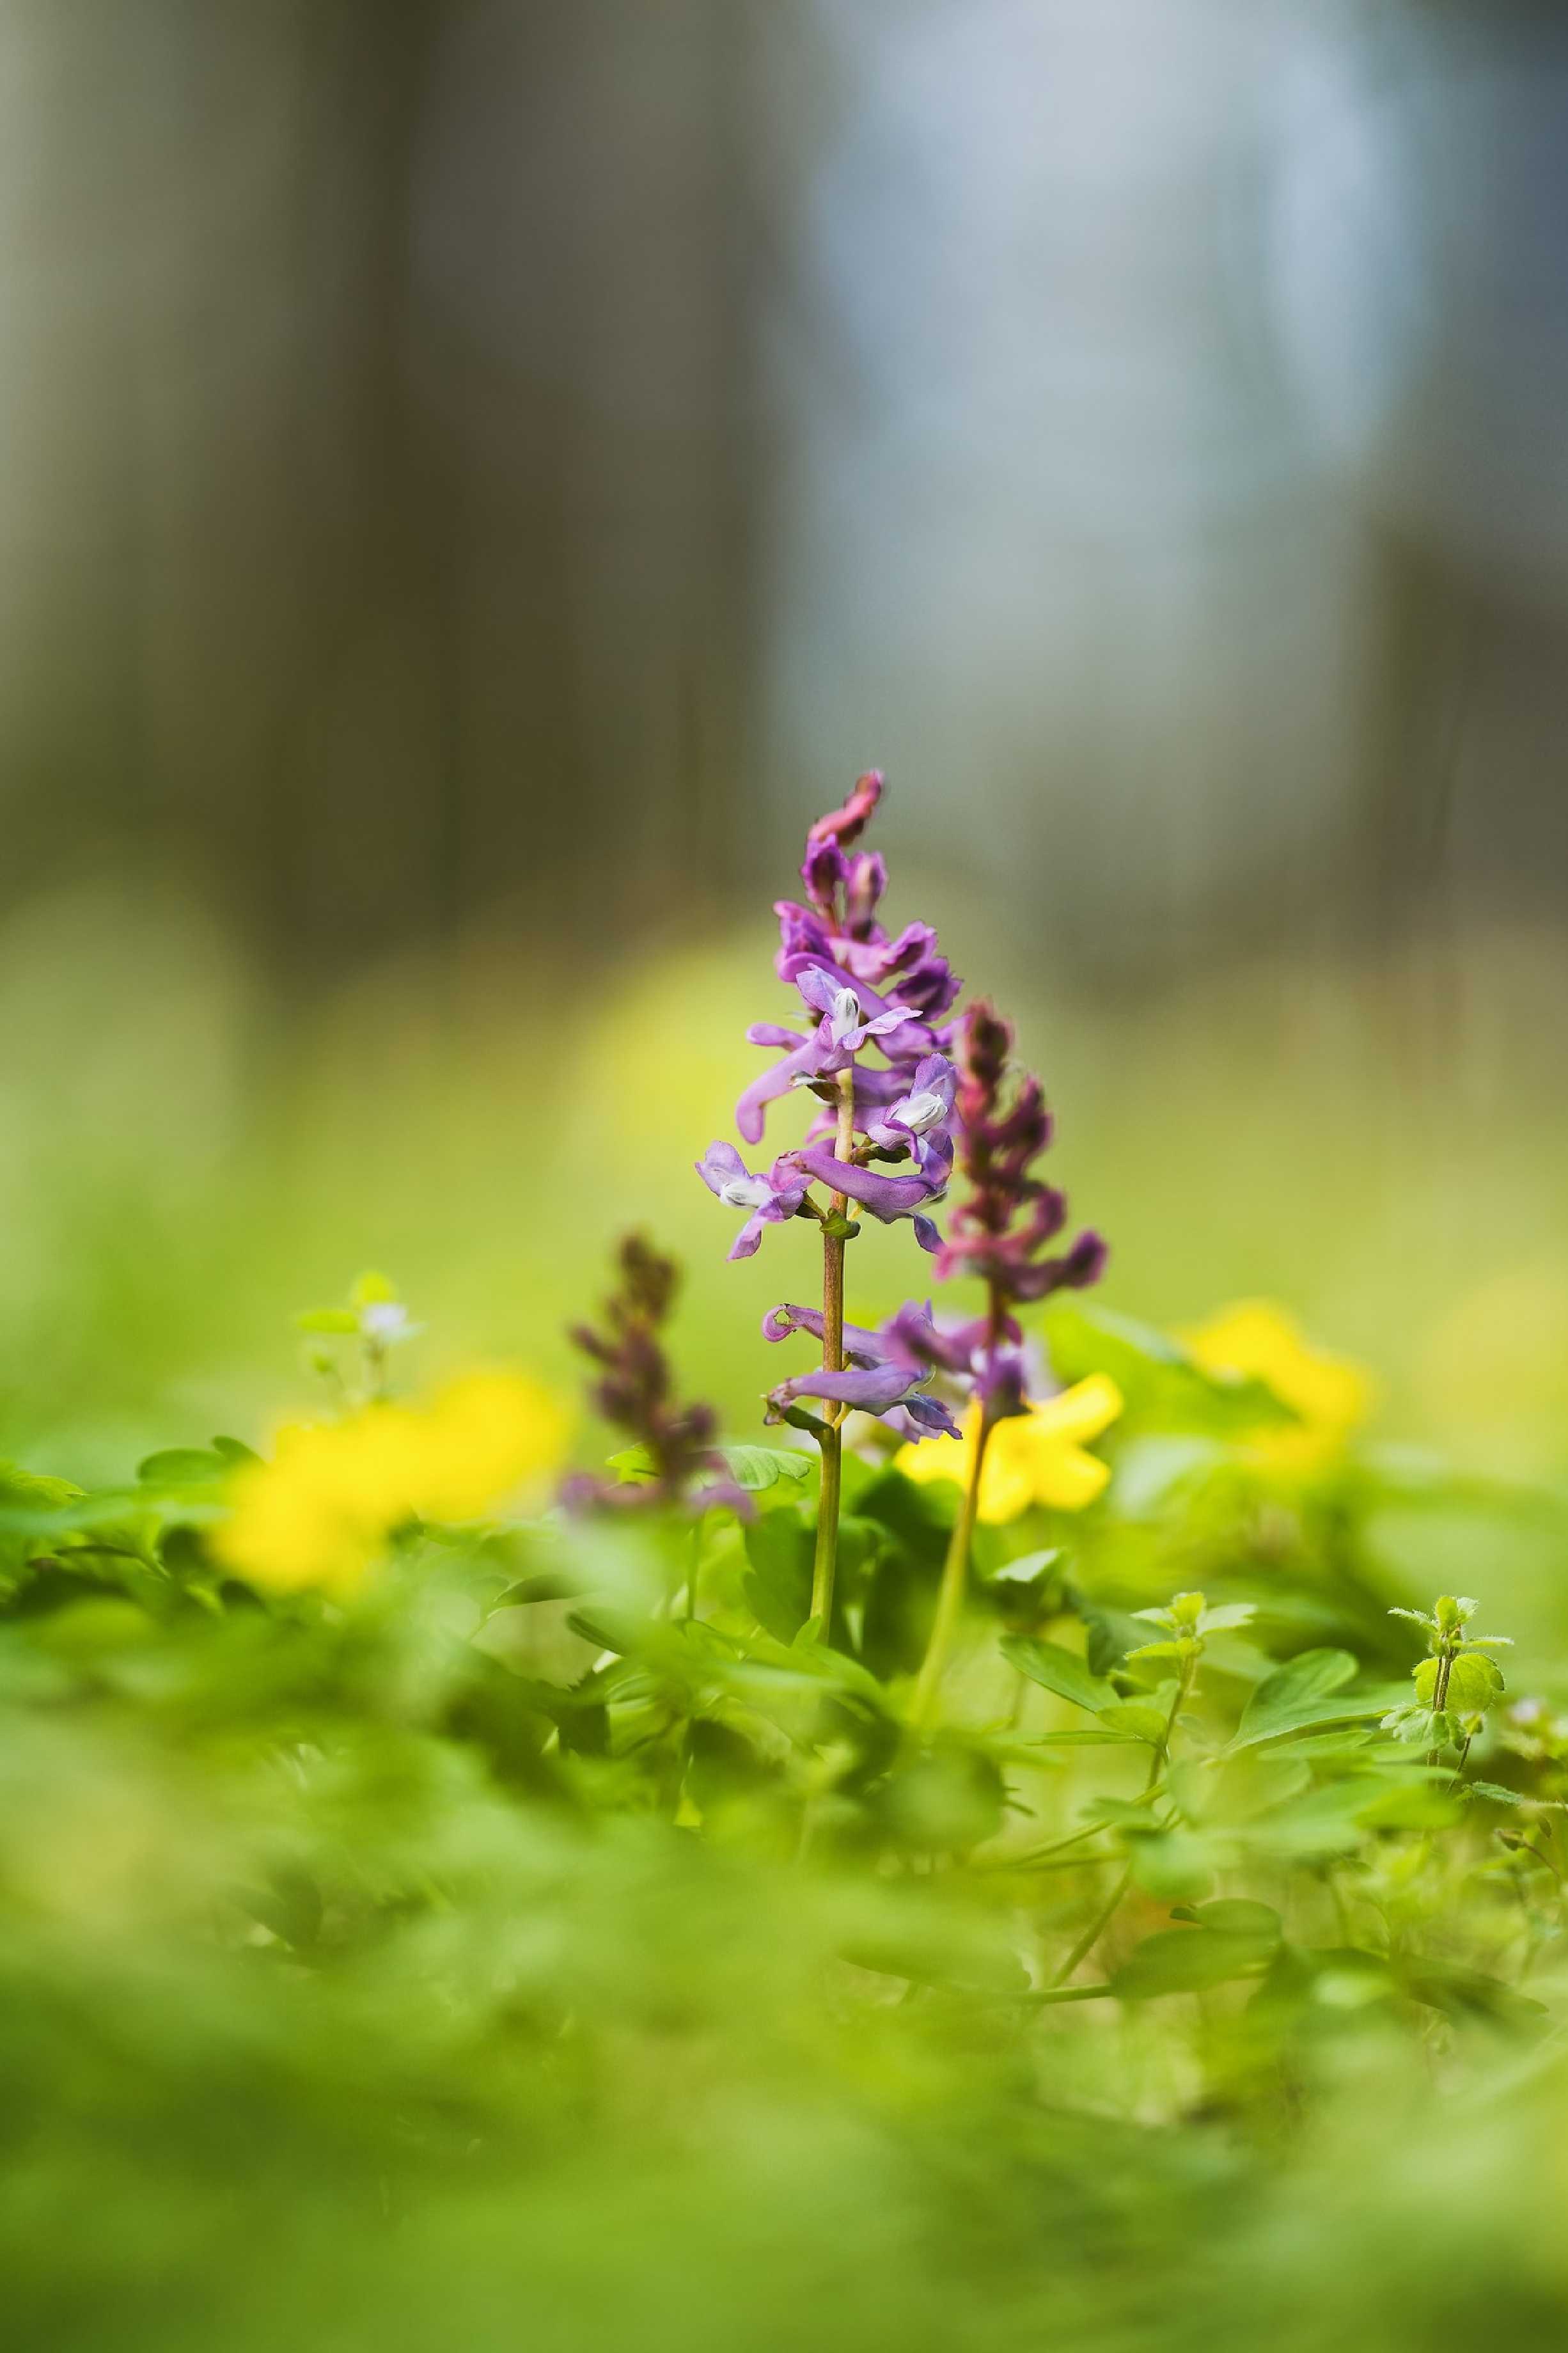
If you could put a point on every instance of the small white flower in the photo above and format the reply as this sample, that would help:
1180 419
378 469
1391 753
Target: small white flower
386 1321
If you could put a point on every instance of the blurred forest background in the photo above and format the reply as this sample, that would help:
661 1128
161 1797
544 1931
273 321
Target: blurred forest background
476 477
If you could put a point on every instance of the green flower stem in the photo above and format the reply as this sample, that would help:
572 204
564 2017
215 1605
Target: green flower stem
824 1560
1157 1764
950 1599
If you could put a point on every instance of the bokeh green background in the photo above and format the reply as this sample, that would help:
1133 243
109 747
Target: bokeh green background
188 1160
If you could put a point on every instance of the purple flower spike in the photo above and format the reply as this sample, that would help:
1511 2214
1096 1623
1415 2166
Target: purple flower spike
1010 1215
633 1387
771 1199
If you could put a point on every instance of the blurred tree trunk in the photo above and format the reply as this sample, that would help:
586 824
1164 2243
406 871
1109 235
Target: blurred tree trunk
379 469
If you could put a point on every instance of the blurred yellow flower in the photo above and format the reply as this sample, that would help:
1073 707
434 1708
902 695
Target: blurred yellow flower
323 1509
1034 1457
1253 1339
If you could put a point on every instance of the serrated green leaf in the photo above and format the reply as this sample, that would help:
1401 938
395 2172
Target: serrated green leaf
1495 1793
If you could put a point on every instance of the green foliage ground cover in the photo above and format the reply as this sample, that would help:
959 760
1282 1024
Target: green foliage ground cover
558 1942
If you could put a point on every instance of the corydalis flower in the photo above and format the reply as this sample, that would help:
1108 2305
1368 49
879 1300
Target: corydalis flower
1011 1215
770 1199
864 988
634 1392
885 1372
882 1139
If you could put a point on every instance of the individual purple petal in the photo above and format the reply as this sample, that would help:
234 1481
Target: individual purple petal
865 881
887 1197
721 1165
1001 1382
772 1033
1083 1264
872 1389
807 1061
801 933
822 871
860 1346
913 1336
822 985
929 1417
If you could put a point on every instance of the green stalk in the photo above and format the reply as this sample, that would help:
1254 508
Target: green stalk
824 1560
950 1598
1157 1764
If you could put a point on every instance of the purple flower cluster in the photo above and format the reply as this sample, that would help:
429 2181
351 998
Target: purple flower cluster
886 1372
635 1391
871 1047
1010 1216
863 987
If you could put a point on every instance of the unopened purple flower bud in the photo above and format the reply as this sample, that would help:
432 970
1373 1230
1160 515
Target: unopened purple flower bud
844 826
865 883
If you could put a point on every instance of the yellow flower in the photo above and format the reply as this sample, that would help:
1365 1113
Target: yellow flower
321 1512
1255 1340
1034 1457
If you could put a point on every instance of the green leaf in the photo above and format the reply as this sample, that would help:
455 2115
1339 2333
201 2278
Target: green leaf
1236 1915
1058 1670
1474 1681
234 1452
1137 1720
181 1466
1085 1739
632 1463
34 1489
1495 1792
1028 1568
1227 1615
548 1585
758 1467
1174 1862
1297 1694
1188 1960
777 1583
